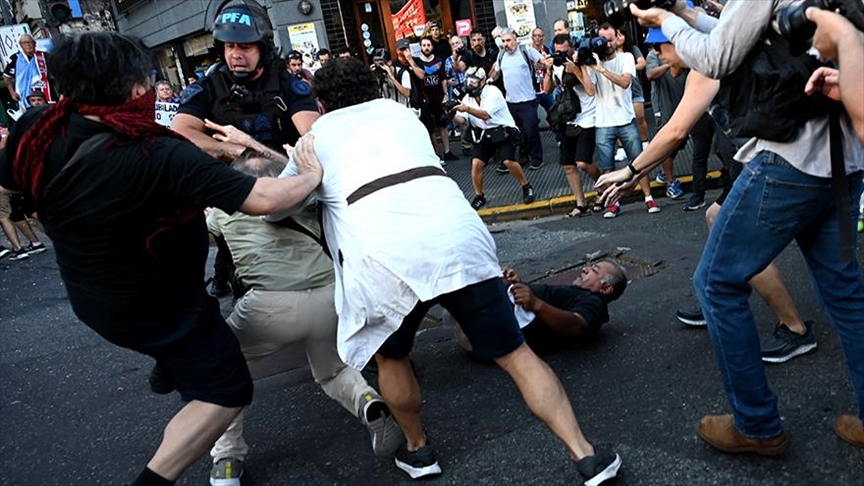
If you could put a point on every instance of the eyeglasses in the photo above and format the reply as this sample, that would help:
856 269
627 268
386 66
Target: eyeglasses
537 35
28 43
295 56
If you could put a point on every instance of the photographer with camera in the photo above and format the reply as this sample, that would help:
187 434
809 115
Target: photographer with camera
615 117
578 138
493 132
789 191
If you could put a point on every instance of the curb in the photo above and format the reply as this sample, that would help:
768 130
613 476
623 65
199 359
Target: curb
563 204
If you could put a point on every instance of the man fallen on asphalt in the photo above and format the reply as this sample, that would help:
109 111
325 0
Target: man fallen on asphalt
558 317
404 238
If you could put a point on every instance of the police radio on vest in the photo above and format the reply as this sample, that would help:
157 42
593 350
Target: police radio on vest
236 18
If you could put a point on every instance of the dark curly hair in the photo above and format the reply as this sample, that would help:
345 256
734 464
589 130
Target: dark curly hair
99 68
344 82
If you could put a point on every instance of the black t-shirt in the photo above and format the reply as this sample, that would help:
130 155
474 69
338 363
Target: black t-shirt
472 59
432 83
441 48
198 99
101 214
574 299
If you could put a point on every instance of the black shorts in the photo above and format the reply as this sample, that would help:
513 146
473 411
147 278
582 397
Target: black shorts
484 312
197 348
22 206
439 119
506 150
579 148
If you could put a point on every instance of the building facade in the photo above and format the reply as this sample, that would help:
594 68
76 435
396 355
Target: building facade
178 30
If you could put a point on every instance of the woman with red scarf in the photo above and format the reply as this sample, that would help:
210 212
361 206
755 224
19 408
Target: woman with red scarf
122 199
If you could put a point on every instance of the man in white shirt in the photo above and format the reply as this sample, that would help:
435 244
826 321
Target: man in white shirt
578 140
516 65
615 118
493 134
403 238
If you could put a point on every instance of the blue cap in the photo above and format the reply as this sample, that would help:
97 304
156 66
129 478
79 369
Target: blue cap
655 36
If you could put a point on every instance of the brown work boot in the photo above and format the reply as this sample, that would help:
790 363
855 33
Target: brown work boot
850 429
720 432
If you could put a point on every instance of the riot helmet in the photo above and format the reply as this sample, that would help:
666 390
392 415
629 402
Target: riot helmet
244 22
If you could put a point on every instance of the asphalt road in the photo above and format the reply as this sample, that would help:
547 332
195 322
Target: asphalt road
75 410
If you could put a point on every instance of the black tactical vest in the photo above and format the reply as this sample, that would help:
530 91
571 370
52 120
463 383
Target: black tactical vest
262 113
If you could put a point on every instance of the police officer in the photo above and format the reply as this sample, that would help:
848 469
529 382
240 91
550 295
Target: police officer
251 91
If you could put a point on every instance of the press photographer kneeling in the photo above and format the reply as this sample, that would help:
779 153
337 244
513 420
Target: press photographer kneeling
493 133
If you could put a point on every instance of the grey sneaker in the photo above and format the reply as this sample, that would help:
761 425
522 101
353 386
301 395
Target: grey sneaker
383 428
785 344
600 467
226 472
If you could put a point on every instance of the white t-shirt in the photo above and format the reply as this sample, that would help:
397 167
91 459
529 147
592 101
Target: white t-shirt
518 75
492 102
587 117
401 244
614 103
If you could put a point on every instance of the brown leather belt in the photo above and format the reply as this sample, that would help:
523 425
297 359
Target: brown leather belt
392 180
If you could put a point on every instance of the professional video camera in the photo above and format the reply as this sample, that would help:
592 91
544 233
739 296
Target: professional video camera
588 47
618 11
792 23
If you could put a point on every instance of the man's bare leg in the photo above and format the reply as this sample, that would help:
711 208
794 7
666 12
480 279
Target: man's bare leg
400 390
545 396
11 234
189 435
770 286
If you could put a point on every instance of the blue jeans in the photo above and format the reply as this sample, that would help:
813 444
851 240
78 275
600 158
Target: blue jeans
771 204
525 116
606 138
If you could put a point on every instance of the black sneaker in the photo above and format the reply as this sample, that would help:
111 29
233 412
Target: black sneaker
535 165
35 248
691 317
4 251
527 194
502 169
695 203
19 254
448 156
418 464
785 344
219 289
478 202
596 469
160 381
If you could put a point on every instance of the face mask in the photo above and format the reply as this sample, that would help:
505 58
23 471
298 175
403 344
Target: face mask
499 42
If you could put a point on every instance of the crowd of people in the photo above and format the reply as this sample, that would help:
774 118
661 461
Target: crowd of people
330 264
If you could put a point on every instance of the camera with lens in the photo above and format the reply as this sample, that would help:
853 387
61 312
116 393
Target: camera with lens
461 51
618 11
559 58
588 47
793 24
450 106
380 57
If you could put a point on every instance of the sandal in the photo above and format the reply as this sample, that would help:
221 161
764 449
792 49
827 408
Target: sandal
578 211
597 208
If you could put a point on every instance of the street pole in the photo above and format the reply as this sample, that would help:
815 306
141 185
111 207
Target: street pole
7 13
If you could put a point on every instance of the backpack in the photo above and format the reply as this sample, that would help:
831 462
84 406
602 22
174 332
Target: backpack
416 100
564 110
765 96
